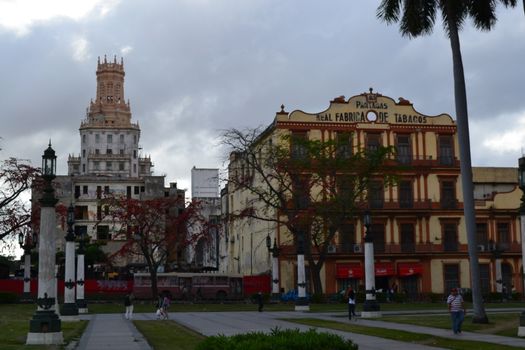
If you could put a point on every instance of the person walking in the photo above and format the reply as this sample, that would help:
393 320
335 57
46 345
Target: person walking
165 305
260 301
456 307
351 303
128 303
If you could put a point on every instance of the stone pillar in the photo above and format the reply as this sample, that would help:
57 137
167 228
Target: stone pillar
301 303
27 276
81 302
370 306
45 326
69 310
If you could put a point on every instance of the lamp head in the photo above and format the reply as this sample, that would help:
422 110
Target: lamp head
71 215
49 162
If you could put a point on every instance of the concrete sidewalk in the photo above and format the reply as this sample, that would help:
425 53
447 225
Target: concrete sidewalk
113 331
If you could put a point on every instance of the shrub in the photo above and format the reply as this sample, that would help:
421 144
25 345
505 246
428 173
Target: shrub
278 340
318 298
436 297
400 298
8 298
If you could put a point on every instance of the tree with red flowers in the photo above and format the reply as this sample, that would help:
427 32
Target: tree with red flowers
155 230
16 178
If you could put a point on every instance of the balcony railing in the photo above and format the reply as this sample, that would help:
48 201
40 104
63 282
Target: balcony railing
449 203
357 249
408 247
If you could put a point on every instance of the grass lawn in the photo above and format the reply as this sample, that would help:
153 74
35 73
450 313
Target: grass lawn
14 323
415 338
167 335
149 306
505 324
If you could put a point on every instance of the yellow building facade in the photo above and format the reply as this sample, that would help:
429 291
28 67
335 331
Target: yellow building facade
420 242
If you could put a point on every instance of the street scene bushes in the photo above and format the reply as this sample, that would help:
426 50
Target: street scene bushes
8 298
278 340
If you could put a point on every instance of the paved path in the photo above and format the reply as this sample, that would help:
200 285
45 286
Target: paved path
112 331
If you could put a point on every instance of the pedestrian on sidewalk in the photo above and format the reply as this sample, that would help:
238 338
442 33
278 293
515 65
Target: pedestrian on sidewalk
260 301
165 305
351 303
456 307
128 303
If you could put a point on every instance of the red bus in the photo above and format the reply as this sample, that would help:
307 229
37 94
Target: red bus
190 286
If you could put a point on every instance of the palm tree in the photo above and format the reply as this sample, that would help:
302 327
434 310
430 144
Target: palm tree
417 18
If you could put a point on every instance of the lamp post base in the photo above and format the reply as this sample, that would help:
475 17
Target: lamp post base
371 309
45 328
275 298
27 297
44 338
69 309
521 328
521 331
82 306
301 304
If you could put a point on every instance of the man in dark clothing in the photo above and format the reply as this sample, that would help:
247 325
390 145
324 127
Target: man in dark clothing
260 301
351 303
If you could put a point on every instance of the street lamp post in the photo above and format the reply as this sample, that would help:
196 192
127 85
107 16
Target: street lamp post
69 309
521 183
45 326
370 306
301 304
27 243
275 250
81 302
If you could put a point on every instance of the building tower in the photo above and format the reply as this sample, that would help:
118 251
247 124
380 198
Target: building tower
109 140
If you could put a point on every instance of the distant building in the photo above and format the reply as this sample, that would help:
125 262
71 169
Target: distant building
110 161
203 254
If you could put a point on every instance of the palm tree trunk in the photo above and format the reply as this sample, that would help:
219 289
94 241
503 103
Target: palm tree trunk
460 96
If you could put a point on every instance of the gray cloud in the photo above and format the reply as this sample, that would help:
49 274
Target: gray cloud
195 67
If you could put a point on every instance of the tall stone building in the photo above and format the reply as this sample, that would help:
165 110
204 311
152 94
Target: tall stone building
110 161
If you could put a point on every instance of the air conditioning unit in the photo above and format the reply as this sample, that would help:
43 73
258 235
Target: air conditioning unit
358 248
331 248
481 248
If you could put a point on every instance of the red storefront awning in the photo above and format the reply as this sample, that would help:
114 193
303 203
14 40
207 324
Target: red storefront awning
409 269
384 269
349 271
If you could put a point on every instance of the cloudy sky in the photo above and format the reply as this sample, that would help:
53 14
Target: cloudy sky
194 67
